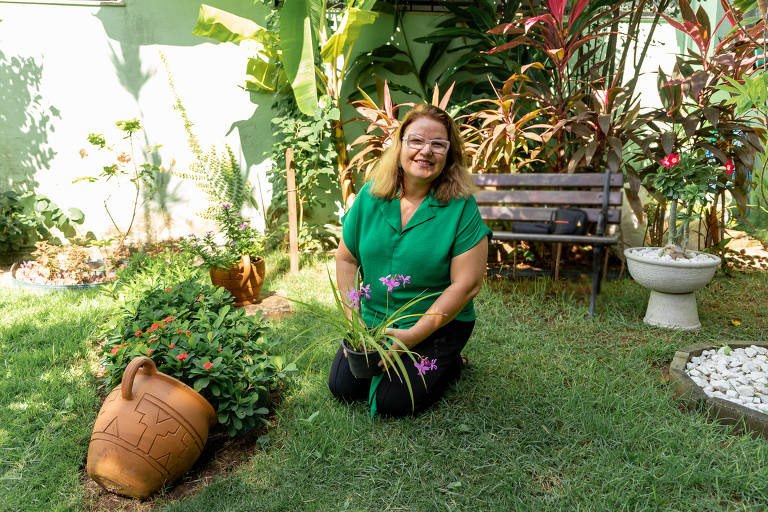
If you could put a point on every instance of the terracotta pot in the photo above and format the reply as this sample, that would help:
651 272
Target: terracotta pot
150 430
243 282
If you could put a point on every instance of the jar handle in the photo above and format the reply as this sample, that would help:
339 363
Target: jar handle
245 263
130 373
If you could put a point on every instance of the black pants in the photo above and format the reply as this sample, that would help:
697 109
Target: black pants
392 397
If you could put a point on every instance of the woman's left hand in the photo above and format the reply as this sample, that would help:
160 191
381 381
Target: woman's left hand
401 341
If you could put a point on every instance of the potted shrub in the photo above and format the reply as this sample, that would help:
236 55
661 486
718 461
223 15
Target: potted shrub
235 263
674 272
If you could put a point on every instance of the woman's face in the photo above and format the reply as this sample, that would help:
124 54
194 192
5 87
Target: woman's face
423 165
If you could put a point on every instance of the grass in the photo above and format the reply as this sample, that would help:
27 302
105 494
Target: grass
556 412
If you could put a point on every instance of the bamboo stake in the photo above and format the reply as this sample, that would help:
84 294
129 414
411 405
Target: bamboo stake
293 234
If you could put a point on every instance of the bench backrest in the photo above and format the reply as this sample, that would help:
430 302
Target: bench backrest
535 197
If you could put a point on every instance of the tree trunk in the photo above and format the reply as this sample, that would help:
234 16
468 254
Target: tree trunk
346 175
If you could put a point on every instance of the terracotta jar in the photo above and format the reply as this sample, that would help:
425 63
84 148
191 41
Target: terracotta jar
244 281
150 430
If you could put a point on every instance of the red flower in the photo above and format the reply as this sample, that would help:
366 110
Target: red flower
673 159
171 345
137 333
182 356
168 289
207 366
179 331
152 339
665 162
155 326
115 349
729 167
187 333
219 349
149 351
168 319
163 325
200 299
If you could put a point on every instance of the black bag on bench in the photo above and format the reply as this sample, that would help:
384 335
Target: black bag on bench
565 221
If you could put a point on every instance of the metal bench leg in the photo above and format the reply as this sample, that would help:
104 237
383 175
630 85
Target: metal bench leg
596 274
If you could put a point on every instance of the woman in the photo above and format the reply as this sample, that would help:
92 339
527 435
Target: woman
415 218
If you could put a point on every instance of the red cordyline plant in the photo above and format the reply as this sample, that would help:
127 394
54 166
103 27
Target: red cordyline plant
385 121
587 121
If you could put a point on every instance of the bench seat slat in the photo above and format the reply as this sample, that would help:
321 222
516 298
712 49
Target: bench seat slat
538 237
546 197
533 214
546 180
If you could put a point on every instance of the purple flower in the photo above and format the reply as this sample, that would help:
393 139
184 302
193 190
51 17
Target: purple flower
353 297
404 279
167 261
242 226
425 365
232 244
365 291
389 282
226 205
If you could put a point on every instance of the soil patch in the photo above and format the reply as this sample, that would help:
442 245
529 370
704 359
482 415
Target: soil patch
34 273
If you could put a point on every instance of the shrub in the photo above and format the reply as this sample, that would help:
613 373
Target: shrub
192 333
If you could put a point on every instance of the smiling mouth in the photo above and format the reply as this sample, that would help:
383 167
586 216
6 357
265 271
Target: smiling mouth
423 162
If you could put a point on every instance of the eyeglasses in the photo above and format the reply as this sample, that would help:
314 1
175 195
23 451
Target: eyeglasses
438 146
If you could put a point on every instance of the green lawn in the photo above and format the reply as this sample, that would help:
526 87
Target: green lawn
556 412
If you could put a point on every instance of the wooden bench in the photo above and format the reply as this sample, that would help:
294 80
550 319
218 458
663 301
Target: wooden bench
535 198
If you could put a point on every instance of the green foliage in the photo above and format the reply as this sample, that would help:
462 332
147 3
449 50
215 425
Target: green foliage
28 217
314 158
217 174
240 238
192 333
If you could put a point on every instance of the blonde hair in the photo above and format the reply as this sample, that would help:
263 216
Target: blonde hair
454 180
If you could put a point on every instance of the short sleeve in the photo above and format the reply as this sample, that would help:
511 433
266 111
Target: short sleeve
350 224
471 228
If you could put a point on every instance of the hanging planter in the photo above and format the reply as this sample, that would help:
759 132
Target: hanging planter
149 432
243 281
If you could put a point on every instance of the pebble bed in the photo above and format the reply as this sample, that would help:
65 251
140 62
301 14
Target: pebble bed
738 375
652 253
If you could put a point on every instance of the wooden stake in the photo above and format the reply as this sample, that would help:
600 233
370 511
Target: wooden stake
293 229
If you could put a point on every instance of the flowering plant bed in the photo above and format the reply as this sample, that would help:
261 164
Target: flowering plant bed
192 333
696 389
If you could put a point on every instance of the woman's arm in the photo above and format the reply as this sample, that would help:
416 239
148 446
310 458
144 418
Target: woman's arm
346 269
467 272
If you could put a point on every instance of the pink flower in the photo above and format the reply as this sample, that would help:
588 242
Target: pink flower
729 167
168 289
207 366
673 159
171 345
149 351
182 356
138 333
242 226
389 282
167 261
426 365
219 349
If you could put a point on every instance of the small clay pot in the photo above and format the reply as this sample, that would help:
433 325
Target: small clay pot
244 281
363 365
149 432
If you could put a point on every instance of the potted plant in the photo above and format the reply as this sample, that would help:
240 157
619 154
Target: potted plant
688 182
367 345
235 263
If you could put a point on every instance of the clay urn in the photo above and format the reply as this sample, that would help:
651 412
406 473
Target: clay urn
149 431
243 281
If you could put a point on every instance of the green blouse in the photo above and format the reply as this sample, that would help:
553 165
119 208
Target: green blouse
422 250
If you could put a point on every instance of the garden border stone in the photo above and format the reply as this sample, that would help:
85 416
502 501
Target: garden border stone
693 397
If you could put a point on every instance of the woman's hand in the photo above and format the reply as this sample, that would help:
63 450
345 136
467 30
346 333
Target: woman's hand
404 338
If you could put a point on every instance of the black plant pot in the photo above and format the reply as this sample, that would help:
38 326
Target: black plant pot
363 365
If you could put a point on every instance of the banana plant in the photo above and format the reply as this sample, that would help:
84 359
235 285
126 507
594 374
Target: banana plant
309 53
